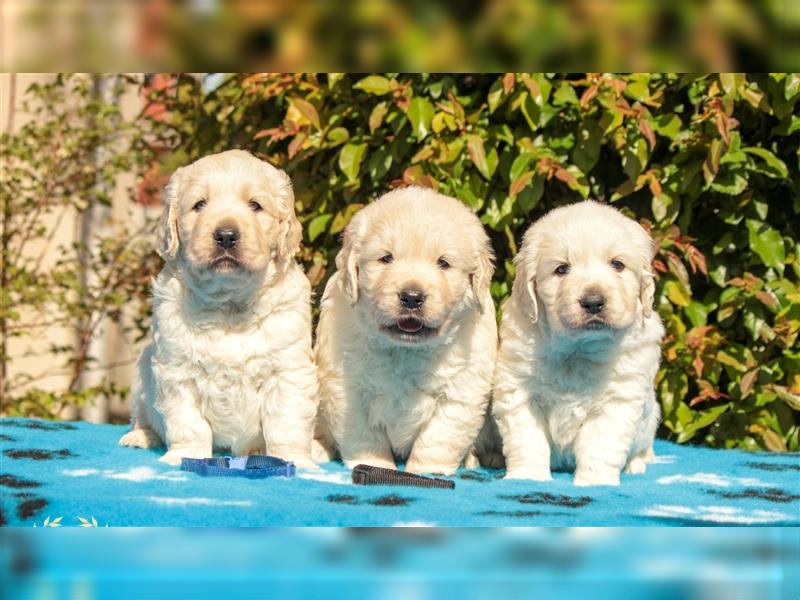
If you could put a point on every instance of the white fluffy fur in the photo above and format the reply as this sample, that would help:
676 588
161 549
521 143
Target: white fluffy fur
568 396
230 364
383 397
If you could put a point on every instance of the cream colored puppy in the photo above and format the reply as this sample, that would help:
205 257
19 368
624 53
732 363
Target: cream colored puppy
230 365
407 335
579 349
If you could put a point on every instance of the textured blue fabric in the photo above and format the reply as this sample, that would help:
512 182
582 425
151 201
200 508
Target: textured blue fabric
73 470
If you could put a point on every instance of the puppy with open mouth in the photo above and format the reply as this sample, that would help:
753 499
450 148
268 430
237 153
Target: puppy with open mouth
407 335
579 349
230 363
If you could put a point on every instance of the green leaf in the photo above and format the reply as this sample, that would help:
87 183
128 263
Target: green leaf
698 312
637 90
587 150
377 115
338 135
317 226
767 243
496 94
376 85
379 163
701 420
350 160
634 158
520 165
677 293
486 164
668 125
420 113
775 166
729 183
530 196
565 94
343 217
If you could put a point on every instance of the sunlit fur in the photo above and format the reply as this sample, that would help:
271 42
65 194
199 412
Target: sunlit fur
574 390
386 394
230 363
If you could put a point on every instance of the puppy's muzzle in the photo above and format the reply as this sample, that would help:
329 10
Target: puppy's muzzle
226 238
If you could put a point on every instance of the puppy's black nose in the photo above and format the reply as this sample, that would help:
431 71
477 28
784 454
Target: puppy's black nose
592 303
412 299
226 238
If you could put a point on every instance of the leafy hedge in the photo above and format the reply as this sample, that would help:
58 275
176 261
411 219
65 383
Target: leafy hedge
708 163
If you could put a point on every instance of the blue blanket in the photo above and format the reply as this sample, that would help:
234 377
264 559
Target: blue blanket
77 472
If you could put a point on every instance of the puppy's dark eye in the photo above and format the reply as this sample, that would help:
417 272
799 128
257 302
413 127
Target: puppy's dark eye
562 269
386 258
443 264
617 265
255 206
200 205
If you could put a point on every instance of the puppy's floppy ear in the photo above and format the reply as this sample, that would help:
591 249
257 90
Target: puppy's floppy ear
347 259
647 284
481 279
524 288
291 233
167 233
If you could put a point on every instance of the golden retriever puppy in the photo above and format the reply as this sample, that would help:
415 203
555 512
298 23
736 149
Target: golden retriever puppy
579 349
230 364
407 335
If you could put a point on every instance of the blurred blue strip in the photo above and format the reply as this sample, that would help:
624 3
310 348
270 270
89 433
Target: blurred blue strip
758 563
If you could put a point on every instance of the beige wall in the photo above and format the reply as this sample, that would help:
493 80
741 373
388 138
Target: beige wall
29 354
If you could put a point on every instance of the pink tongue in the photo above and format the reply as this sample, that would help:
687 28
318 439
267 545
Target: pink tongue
409 325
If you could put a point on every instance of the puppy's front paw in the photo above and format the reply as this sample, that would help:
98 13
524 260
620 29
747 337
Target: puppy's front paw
588 477
420 468
471 460
636 466
174 455
306 464
141 438
529 473
494 460
383 463
321 452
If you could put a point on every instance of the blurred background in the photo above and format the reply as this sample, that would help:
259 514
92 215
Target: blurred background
414 35
699 564
710 164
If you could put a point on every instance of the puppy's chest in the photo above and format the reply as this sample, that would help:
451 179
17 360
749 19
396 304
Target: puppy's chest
228 359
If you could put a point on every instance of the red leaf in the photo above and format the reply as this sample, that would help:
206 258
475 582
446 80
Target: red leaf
296 144
519 184
767 299
589 95
308 110
748 379
647 132
508 82
698 365
565 176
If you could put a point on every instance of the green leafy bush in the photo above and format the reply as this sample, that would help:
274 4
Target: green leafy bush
708 163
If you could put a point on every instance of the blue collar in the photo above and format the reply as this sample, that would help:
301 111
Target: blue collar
250 467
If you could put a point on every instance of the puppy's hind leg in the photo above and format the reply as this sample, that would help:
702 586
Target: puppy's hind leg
488 447
142 434
141 438
323 448
637 464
